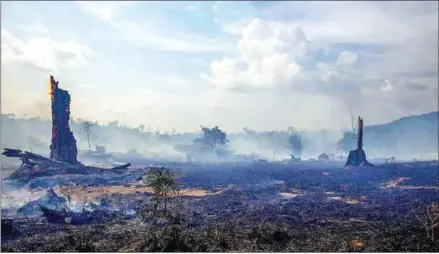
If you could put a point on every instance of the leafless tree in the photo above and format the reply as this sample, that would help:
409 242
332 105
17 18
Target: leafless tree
389 160
429 218
87 127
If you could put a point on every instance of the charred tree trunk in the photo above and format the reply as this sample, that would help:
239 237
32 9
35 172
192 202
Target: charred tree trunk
357 157
360 134
63 146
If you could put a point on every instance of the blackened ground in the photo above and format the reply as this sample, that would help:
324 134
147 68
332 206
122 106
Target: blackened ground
239 234
266 207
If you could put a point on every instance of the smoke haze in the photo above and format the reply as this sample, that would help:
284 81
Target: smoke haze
408 138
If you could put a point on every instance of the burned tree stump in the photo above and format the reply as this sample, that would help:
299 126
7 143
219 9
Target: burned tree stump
63 145
357 157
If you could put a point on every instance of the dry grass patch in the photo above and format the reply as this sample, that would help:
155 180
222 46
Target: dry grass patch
89 194
394 183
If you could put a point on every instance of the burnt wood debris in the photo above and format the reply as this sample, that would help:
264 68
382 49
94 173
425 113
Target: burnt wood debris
357 157
63 150
63 147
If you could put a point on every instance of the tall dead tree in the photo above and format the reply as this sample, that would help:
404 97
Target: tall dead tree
357 157
63 146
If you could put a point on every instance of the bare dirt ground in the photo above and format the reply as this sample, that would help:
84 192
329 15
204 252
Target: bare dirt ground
259 207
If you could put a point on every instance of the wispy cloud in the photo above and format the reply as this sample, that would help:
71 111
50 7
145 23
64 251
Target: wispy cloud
336 49
147 33
44 52
107 11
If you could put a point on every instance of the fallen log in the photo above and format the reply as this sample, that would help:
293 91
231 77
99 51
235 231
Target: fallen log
26 161
32 159
29 158
103 170
121 166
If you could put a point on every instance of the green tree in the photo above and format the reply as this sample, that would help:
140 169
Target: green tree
162 182
212 138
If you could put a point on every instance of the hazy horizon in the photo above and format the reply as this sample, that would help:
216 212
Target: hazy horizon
153 128
414 137
260 65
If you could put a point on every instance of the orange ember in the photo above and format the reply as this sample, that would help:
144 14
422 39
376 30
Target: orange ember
357 243
51 86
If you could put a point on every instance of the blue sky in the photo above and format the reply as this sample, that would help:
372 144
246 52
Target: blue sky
262 65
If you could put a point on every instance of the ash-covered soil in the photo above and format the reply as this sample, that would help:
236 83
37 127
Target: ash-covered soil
255 207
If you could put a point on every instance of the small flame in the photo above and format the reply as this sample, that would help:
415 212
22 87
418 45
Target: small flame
357 243
52 86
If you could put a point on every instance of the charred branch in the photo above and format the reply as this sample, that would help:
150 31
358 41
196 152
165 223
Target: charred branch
124 166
